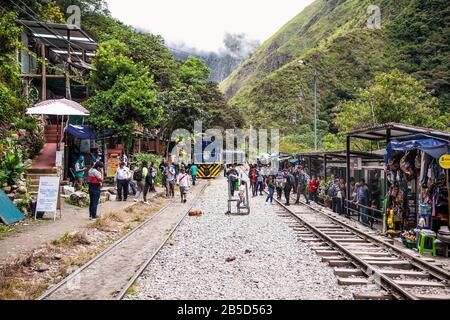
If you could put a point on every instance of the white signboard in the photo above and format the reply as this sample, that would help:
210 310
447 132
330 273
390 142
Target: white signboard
47 199
58 161
356 163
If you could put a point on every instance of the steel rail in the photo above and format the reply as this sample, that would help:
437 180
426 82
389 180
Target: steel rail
434 270
389 285
102 254
144 266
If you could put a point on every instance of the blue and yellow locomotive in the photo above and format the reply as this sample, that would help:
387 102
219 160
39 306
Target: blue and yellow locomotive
209 161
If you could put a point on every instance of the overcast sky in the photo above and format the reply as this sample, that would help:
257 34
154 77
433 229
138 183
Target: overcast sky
203 23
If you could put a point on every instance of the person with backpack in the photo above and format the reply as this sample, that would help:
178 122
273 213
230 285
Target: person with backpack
171 176
139 176
332 192
152 174
302 183
280 182
290 183
183 182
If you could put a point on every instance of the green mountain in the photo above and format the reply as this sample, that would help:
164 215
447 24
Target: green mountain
272 89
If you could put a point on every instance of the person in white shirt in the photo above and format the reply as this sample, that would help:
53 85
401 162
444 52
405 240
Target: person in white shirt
184 183
122 178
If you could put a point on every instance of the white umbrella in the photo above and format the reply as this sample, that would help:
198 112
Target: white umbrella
60 107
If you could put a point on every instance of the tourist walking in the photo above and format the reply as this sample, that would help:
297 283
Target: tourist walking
270 181
280 182
193 170
302 183
260 185
183 183
290 183
171 179
121 178
95 180
139 176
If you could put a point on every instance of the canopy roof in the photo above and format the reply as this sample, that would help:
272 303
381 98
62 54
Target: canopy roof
434 147
394 131
81 132
61 36
60 107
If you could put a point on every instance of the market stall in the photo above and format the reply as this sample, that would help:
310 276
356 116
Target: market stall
418 193
416 205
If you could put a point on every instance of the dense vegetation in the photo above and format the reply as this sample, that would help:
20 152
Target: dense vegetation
365 76
136 83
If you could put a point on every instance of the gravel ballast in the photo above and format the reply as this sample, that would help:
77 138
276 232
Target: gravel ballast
258 256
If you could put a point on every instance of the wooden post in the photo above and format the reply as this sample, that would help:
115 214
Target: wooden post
68 91
386 185
448 194
349 191
43 75
325 167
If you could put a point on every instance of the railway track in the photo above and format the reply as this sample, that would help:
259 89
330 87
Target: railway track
359 258
92 281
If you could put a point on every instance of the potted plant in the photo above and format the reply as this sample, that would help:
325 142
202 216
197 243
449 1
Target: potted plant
324 186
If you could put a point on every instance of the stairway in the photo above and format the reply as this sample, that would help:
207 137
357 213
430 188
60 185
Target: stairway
44 163
51 133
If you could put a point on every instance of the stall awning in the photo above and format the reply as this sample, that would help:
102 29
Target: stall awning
434 147
60 107
81 132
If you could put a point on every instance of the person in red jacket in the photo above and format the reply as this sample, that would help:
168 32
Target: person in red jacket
253 175
314 189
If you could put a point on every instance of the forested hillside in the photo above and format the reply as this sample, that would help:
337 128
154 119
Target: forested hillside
363 73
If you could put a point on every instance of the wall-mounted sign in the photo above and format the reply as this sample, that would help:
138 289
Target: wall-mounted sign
356 163
444 161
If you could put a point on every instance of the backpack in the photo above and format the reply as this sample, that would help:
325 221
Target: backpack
332 191
137 175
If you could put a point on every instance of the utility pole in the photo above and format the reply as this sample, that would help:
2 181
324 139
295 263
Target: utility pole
315 109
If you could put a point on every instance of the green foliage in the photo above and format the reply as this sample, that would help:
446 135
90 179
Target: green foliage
393 97
324 186
125 93
11 162
194 71
130 101
50 13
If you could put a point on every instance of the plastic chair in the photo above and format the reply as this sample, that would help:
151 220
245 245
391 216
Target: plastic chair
422 242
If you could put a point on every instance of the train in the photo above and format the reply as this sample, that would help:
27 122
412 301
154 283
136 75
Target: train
213 158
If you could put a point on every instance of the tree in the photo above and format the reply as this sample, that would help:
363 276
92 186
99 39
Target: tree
124 92
393 97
